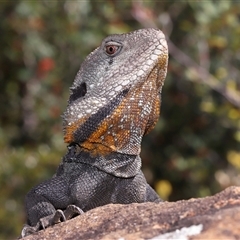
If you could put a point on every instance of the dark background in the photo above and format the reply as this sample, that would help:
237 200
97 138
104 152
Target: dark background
194 150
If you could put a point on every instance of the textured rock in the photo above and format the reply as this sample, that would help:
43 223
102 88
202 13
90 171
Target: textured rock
215 217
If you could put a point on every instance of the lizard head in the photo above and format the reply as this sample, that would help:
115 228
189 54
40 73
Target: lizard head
115 97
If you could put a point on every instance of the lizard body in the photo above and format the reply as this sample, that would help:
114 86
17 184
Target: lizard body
114 101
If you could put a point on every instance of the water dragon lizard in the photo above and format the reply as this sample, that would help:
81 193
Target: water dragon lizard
114 101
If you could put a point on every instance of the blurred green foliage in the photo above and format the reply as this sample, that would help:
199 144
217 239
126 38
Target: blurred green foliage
194 150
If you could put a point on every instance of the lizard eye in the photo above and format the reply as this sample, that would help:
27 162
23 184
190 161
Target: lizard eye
111 49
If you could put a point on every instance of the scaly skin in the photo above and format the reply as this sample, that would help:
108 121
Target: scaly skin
114 101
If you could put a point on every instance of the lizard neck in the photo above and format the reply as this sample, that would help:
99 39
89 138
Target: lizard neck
119 165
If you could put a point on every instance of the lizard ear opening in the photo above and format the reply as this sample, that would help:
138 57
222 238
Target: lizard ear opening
78 92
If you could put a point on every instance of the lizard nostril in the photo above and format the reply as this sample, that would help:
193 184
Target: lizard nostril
78 92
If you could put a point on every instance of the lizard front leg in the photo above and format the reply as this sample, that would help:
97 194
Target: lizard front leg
50 220
40 210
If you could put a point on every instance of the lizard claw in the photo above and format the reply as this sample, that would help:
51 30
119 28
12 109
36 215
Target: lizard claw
27 230
72 211
52 219
59 216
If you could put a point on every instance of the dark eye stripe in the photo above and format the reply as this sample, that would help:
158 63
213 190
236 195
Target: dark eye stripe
92 123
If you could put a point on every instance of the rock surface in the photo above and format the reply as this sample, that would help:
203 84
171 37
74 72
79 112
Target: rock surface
215 217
